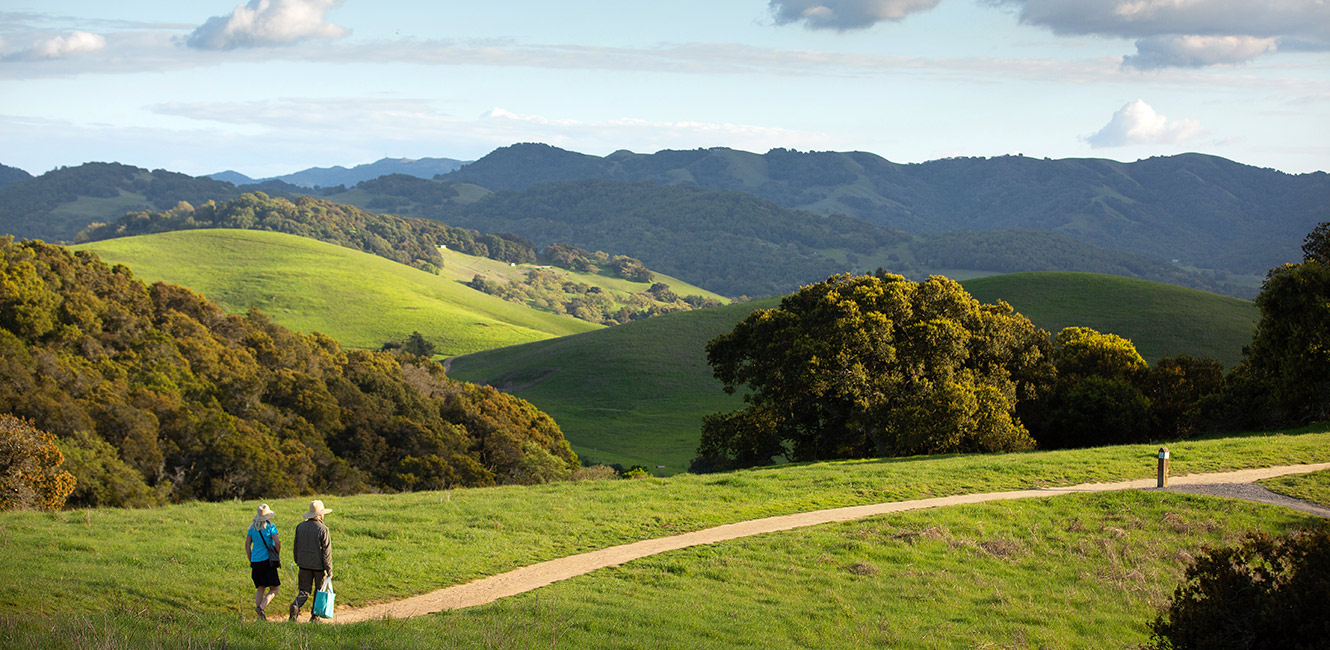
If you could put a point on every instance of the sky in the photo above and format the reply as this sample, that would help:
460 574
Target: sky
270 87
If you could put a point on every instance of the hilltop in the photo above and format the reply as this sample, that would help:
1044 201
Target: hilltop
339 175
635 394
359 299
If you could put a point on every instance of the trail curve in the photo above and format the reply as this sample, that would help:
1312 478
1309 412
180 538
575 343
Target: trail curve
528 578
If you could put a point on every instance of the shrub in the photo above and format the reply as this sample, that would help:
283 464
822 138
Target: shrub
30 472
1267 592
594 473
636 471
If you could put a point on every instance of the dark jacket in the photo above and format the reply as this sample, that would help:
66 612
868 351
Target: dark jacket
313 547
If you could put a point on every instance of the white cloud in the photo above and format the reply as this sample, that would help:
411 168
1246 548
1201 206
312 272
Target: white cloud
267 22
1197 51
1137 123
60 47
845 15
1187 33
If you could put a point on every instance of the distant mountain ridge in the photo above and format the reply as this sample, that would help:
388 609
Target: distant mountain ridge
338 175
1201 210
10 174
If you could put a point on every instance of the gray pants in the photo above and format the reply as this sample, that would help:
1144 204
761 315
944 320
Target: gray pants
307 581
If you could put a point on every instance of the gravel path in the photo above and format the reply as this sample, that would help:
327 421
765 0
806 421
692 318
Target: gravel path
1252 492
524 579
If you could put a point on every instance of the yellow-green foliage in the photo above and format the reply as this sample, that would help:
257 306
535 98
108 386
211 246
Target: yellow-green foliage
156 393
30 472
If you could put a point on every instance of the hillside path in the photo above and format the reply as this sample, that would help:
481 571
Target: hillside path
524 579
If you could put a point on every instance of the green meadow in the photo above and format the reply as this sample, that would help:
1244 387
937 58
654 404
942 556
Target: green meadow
361 300
1161 319
633 394
1085 570
636 393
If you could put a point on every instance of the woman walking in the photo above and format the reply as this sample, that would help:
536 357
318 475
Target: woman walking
263 549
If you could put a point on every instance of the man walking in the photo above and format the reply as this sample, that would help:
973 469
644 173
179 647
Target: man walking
313 554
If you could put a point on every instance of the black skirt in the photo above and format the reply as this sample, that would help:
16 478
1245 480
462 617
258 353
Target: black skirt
264 574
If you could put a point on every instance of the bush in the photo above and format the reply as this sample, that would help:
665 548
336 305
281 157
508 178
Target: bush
1268 592
30 472
636 471
594 473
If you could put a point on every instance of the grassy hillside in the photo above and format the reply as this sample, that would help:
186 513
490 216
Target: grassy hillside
636 394
633 394
1068 571
1161 319
359 299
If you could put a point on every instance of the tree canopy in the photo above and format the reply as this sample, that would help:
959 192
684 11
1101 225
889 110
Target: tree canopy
875 365
1289 357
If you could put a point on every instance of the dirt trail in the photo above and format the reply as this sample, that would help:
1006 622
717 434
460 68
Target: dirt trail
527 578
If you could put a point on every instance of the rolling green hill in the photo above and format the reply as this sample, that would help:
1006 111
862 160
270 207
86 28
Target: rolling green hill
1161 319
359 299
633 394
636 394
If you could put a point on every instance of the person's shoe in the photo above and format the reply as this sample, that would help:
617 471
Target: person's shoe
263 616
292 609
314 619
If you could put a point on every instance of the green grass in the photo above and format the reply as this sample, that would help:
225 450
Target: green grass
359 299
633 394
1313 487
636 394
391 546
1071 571
1161 319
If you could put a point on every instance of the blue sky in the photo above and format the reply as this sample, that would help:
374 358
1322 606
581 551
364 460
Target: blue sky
274 86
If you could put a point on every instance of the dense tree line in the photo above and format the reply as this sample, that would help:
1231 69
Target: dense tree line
414 242
155 394
547 290
881 366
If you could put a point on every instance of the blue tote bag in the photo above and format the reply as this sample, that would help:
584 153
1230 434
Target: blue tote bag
323 600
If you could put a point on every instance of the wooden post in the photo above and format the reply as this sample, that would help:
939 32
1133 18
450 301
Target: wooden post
1163 468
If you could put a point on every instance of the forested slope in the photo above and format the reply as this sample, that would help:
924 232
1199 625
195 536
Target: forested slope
1206 211
728 242
158 395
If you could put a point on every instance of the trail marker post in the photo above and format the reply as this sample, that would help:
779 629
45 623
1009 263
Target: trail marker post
1163 468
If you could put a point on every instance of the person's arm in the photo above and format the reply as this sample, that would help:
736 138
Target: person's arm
276 544
249 541
327 551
